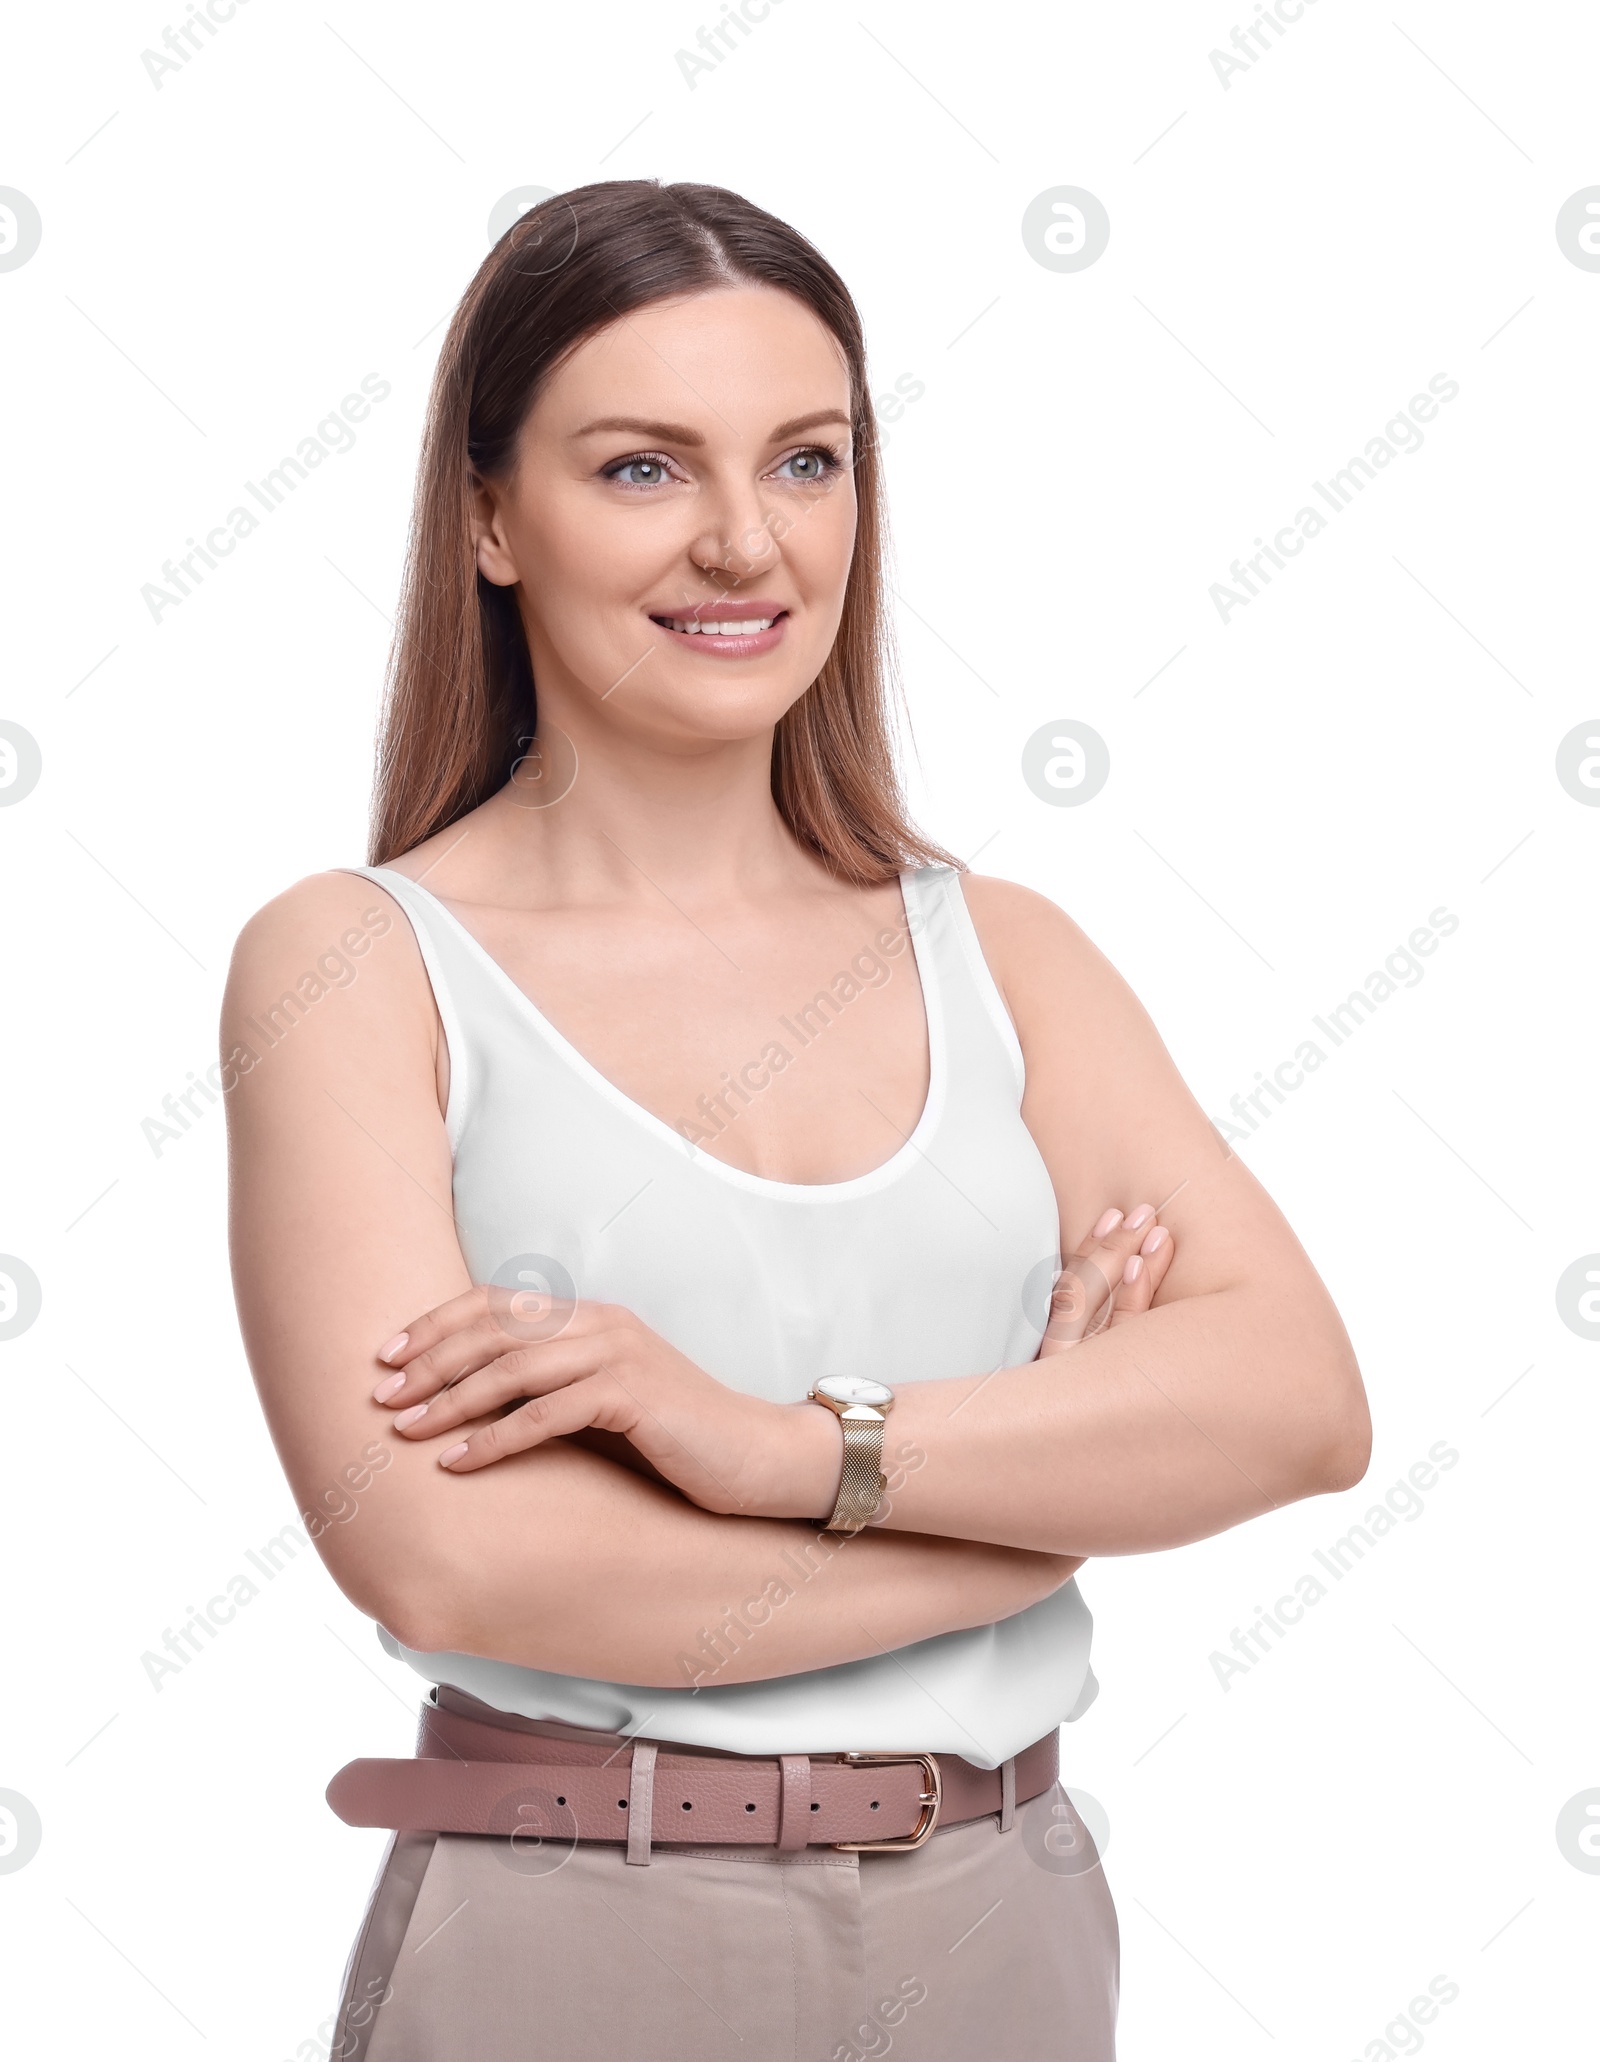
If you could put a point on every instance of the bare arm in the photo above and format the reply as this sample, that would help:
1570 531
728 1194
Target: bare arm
342 1228
1236 1392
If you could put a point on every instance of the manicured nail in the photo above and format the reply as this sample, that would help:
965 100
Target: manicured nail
409 1417
391 1385
394 1346
1130 1274
1107 1223
1155 1239
452 1453
1139 1216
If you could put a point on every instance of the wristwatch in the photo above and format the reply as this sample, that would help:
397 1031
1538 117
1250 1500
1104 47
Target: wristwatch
862 1407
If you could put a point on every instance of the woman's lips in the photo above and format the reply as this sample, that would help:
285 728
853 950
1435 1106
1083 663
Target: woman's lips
719 628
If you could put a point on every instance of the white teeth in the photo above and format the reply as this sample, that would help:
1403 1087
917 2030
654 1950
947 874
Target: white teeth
693 627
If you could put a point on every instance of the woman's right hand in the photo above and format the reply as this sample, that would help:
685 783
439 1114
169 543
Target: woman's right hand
1112 1276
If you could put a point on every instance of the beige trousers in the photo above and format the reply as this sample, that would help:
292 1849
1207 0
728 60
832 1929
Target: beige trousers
980 1943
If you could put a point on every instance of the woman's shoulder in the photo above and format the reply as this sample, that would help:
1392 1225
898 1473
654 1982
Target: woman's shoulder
313 913
337 929
1048 967
1016 919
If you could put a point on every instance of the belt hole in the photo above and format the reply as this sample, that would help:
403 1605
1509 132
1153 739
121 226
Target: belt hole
749 1807
561 1800
687 1805
816 1807
874 1804
622 1804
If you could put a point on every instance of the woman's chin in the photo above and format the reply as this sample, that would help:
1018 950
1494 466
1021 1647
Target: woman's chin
723 711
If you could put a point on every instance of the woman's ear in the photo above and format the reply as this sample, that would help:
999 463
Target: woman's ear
494 559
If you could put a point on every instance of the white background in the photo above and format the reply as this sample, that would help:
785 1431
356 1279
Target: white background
1292 792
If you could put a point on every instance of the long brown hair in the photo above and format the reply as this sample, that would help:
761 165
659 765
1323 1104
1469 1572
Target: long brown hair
461 695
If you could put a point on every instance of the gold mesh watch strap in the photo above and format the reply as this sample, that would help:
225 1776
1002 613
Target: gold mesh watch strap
863 1482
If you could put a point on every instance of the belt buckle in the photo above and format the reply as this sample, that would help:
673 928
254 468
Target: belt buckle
928 1798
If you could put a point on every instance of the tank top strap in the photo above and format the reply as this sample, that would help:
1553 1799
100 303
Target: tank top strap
976 1022
455 976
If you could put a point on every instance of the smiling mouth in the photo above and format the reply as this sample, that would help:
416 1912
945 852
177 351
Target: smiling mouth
701 626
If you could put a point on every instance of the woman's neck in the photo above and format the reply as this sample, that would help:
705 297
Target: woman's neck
599 818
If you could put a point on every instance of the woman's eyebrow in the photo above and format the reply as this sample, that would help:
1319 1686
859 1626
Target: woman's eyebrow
681 433
798 423
637 426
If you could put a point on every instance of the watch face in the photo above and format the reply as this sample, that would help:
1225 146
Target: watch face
856 1389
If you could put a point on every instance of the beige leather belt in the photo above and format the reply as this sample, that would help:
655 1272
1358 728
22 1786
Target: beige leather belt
473 1777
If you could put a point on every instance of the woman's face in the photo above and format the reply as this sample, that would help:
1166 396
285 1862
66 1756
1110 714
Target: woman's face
687 469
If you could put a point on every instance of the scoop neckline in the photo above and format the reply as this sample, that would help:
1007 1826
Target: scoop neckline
808 1191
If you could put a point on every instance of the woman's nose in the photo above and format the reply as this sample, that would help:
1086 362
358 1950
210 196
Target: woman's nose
740 545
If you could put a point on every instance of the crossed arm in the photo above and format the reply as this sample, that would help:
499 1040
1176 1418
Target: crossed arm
1234 1391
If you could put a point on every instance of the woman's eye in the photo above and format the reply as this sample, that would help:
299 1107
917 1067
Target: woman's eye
650 469
814 464
639 472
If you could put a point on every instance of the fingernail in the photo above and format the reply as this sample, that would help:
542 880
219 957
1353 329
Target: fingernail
1144 1210
1130 1274
391 1385
409 1417
1107 1223
1155 1238
394 1346
452 1453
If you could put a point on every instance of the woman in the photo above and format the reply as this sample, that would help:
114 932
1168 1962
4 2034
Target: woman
646 1256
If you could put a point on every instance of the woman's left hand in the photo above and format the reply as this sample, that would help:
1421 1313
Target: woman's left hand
1113 1276
581 1364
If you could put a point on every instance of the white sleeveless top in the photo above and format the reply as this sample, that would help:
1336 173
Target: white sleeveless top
937 1264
